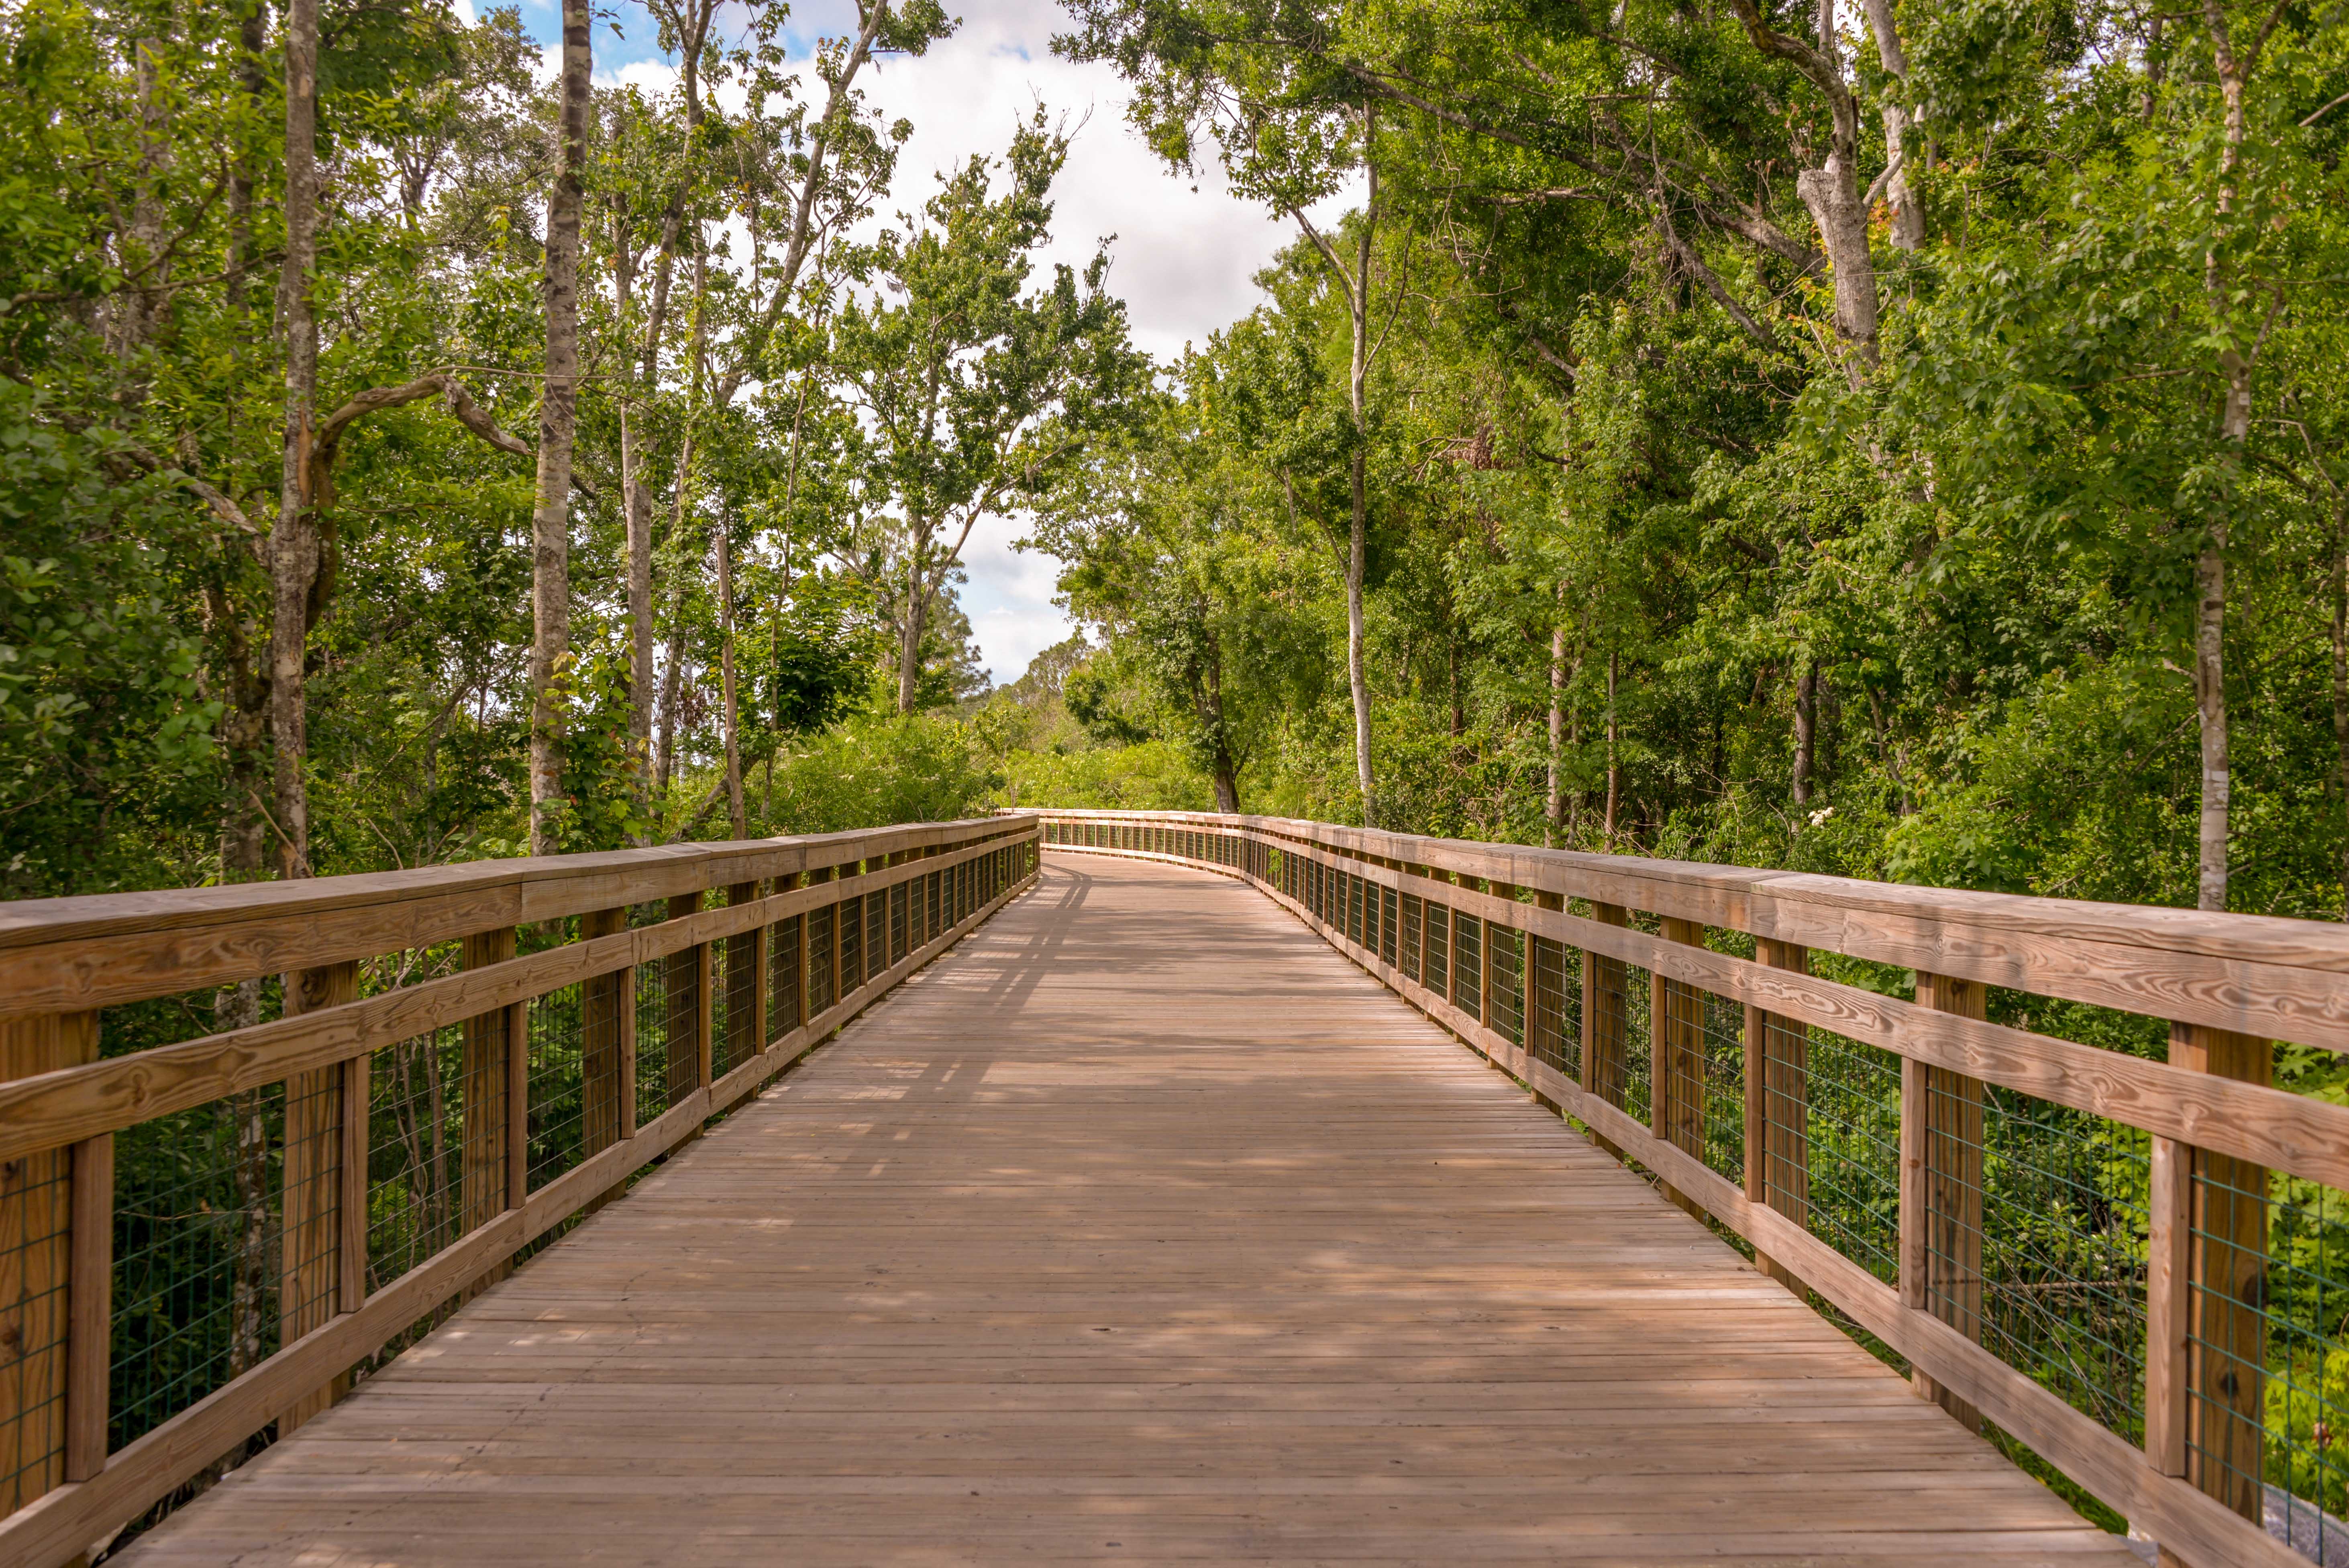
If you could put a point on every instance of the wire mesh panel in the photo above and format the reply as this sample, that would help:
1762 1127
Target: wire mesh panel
1353 895
876 935
852 944
2059 1250
1387 906
900 930
1407 946
436 1143
934 894
2268 1348
1505 954
1467 961
557 1080
1553 1005
1435 951
821 959
197 1256
652 1041
1703 1053
740 1035
688 1015
784 997
738 1028
1848 1145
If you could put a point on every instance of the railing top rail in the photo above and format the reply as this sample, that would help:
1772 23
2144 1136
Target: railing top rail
2260 975
64 955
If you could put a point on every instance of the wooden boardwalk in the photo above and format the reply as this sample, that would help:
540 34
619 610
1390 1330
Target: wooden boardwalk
1140 1227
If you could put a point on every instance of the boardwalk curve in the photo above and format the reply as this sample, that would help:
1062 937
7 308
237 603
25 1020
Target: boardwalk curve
1141 1226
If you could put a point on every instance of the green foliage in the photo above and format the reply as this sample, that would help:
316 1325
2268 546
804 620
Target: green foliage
877 769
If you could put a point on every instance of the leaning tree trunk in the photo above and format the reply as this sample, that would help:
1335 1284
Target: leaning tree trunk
294 543
558 416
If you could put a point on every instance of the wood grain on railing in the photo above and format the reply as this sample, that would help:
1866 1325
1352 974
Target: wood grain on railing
63 961
2229 985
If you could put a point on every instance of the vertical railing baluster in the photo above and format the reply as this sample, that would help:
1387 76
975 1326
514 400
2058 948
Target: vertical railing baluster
89 1307
2215 1342
487 1045
599 1068
309 1226
1941 1188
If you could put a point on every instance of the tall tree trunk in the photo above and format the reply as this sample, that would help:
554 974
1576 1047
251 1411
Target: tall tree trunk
672 675
558 417
1614 769
638 500
1358 532
726 681
1806 730
2341 676
681 517
2235 367
2210 713
637 525
1554 806
293 542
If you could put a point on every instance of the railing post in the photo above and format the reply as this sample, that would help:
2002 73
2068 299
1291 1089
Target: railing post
1676 1058
1941 1188
485 1079
2206 1362
1777 1107
601 1083
89 1307
40 1247
312 1249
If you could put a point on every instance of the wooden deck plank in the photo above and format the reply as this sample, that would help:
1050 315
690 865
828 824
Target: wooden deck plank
1140 1227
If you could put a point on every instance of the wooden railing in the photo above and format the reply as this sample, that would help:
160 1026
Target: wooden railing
202 1238
2136 1268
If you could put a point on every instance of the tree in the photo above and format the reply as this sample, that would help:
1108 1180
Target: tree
975 397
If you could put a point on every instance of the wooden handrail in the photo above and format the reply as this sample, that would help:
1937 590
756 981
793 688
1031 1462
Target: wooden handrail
62 961
2226 984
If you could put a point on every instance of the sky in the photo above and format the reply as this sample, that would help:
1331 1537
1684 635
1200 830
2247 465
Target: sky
1184 258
